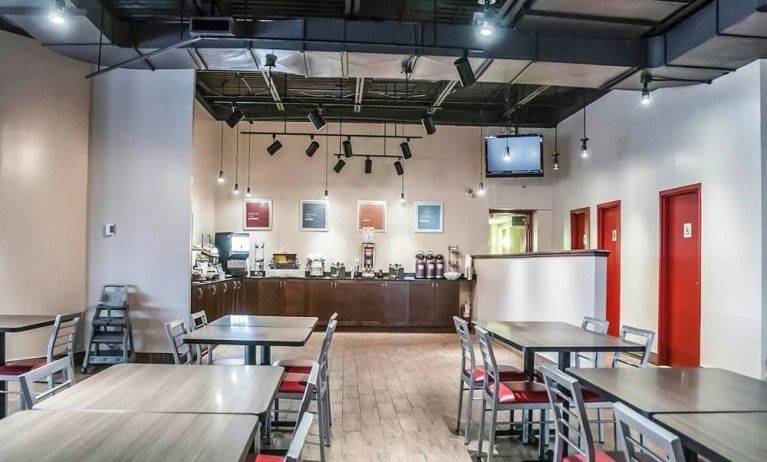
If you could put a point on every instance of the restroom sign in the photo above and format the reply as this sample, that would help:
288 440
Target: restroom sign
615 235
687 230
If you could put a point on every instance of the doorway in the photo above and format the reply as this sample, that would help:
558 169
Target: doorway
609 238
679 291
510 231
579 228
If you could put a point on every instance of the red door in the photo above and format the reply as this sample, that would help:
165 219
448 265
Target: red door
679 304
609 238
579 228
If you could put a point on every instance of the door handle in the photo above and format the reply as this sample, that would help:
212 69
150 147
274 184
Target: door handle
214 289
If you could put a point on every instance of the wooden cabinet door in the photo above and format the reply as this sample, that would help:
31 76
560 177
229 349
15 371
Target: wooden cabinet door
225 305
371 303
422 303
198 295
321 302
249 296
347 298
396 303
295 297
210 301
271 297
447 301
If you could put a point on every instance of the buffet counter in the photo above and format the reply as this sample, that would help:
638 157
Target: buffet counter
541 286
423 304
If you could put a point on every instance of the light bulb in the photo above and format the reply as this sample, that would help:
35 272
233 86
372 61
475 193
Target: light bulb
486 30
506 154
57 15
326 194
556 161
247 193
585 152
402 198
645 97
220 176
236 188
481 190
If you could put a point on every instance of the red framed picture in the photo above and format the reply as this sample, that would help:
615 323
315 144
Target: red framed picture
371 214
258 215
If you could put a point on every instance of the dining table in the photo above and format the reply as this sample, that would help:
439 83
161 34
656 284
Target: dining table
14 323
174 389
95 436
251 332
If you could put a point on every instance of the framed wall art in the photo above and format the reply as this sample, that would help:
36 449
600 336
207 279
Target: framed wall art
257 215
371 214
314 215
429 217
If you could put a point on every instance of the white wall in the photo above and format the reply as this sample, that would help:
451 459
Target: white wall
44 102
140 179
709 134
206 142
442 168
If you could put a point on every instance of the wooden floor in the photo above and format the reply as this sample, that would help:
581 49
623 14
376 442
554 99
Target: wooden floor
394 398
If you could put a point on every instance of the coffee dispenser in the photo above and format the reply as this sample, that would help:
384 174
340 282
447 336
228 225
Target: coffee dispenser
431 266
420 265
440 266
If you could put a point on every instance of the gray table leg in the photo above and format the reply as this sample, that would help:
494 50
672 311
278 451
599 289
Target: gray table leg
3 384
266 355
250 355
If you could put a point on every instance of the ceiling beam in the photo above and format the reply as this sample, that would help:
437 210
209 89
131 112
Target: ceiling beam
272 89
446 90
524 101
358 90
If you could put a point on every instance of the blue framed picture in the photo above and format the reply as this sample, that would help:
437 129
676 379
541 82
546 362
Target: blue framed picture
314 215
429 217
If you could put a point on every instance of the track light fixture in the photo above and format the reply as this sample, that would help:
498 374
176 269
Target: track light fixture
347 146
428 124
339 166
315 117
404 147
271 60
274 147
312 148
465 72
398 167
57 16
235 117
486 29
646 89
368 166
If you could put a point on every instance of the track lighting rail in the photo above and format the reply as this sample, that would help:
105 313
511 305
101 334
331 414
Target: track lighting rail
399 137
384 156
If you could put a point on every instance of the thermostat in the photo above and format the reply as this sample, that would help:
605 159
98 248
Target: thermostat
109 229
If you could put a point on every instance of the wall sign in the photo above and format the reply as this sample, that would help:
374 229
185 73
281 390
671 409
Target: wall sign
371 214
257 215
687 230
314 215
429 217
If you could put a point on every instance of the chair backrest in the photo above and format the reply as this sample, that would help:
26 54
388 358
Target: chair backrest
566 399
333 317
176 330
197 320
299 438
62 338
306 399
468 360
59 367
642 436
636 335
485 340
598 326
322 357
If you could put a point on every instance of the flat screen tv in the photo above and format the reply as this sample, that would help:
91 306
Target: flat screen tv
514 156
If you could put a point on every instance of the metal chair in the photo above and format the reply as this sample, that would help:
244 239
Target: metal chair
507 396
645 440
636 335
571 422
303 366
61 366
60 344
296 443
182 353
598 326
197 320
472 377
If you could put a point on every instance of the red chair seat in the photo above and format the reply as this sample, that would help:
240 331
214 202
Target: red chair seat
593 397
293 383
18 369
298 369
507 373
520 393
268 458
601 456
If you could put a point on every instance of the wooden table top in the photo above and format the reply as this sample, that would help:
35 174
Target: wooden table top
665 390
171 388
249 335
726 436
554 336
21 322
125 436
265 321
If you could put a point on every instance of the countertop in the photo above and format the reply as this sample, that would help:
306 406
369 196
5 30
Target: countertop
563 253
325 278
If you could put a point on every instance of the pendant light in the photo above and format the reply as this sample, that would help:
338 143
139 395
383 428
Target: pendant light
402 193
585 140
247 193
555 155
327 143
237 162
481 189
404 146
646 79
221 166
